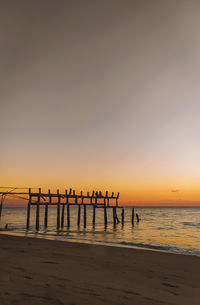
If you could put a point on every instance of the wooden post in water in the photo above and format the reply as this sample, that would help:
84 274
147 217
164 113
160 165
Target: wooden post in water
46 211
37 224
46 215
79 216
108 202
117 219
133 215
28 210
85 216
63 216
94 214
58 210
122 216
105 216
114 216
68 216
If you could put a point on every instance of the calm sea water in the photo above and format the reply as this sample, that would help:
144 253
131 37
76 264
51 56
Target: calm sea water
175 230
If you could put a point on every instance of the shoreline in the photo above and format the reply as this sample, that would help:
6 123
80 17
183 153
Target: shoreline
46 271
94 242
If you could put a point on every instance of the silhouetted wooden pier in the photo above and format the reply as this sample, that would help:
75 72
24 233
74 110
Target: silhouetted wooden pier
63 202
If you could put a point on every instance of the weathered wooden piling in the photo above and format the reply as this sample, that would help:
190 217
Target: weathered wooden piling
58 210
46 210
79 216
68 216
137 218
133 216
63 216
114 216
105 216
28 210
85 216
28 216
122 216
94 215
37 224
46 216
117 219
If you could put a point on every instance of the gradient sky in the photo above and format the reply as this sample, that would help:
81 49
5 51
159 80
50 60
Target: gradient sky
102 95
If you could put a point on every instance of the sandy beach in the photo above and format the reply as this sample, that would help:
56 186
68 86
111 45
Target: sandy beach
36 271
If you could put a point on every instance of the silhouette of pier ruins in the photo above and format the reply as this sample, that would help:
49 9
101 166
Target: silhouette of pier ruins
63 201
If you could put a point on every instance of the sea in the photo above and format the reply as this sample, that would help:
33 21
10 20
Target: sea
169 229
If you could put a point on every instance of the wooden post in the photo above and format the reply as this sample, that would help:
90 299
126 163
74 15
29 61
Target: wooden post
63 216
58 210
68 216
117 219
94 214
105 216
66 196
28 210
79 216
85 215
108 202
122 216
37 225
49 196
114 216
46 210
28 216
46 215
133 215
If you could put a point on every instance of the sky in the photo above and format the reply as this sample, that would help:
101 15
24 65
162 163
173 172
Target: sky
102 95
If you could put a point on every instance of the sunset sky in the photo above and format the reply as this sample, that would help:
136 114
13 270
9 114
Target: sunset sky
102 95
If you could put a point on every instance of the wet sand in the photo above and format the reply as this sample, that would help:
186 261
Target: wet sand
37 271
